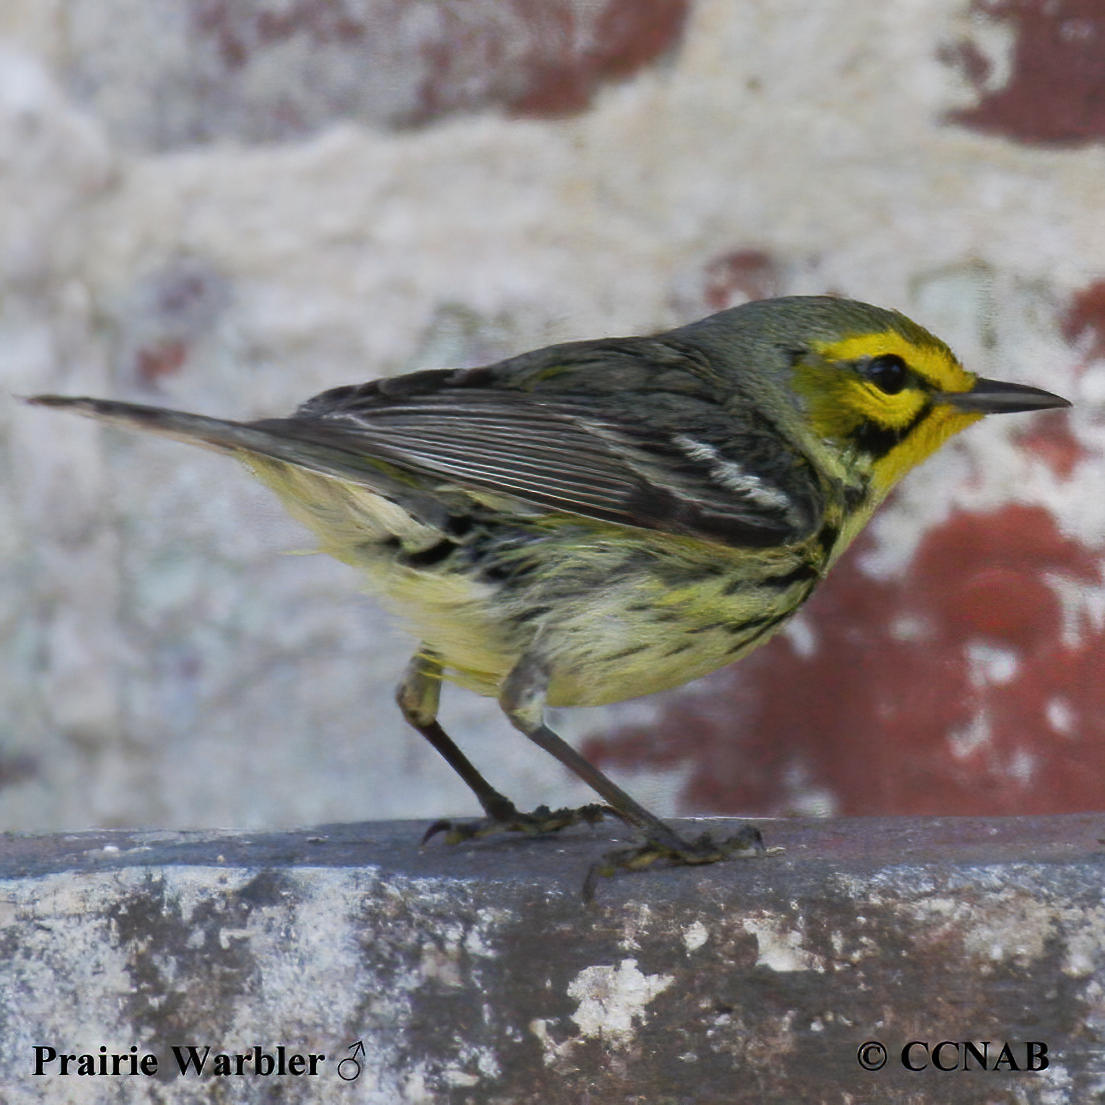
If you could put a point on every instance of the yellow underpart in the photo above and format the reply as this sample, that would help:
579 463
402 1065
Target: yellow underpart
450 612
647 629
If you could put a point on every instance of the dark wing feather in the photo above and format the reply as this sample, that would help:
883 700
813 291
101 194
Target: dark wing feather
672 461
573 453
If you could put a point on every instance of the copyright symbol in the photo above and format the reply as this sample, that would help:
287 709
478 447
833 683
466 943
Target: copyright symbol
871 1055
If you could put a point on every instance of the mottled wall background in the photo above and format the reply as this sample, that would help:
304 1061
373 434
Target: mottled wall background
229 206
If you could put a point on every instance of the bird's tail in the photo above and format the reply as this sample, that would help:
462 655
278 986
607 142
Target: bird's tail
278 439
279 452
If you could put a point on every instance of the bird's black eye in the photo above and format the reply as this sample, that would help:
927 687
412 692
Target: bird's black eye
887 372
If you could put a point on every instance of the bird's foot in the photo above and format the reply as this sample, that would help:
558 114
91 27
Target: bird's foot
673 851
541 821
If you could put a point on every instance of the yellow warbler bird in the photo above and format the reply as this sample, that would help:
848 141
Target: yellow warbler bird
603 519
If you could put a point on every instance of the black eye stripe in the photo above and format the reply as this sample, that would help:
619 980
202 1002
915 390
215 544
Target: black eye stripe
888 372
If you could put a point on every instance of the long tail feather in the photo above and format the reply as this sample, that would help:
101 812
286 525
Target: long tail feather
351 464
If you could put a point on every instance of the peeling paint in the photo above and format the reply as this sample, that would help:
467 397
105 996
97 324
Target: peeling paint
612 999
781 948
695 935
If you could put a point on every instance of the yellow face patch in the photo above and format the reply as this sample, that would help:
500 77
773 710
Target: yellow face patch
934 363
847 408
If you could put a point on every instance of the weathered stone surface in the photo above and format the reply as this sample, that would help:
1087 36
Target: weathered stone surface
476 975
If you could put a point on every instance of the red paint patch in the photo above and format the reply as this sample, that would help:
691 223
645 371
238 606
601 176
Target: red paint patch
1056 90
626 36
1086 316
1049 437
171 309
162 359
888 715
739 277
542 58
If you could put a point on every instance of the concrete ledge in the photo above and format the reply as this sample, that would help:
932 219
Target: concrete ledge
474 974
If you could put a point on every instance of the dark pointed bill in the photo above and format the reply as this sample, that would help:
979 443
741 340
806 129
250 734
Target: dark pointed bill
999 397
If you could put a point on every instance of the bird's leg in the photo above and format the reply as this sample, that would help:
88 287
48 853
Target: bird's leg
523 701
418 696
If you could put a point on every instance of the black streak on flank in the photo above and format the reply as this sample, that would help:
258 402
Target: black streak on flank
427 558
532 612
804 573
707 628
766 626
505 572
626 652
752 623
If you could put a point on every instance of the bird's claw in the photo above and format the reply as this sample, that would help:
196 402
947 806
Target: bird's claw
675 853
541 821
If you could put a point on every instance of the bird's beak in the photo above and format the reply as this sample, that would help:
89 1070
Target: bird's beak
998 397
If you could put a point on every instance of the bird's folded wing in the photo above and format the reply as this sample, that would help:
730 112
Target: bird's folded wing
566 454
560 453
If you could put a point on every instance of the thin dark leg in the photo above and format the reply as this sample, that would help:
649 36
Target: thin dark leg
419 695
523 701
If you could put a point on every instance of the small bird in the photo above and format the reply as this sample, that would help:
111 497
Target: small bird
603 519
